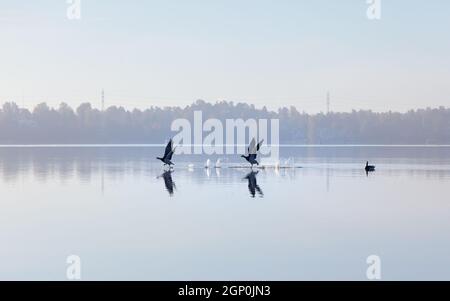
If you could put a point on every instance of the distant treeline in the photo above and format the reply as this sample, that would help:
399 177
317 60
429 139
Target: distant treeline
46 125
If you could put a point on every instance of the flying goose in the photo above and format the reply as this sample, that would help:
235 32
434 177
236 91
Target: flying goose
168 153
252 151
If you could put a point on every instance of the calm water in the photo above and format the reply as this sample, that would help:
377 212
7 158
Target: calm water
127 220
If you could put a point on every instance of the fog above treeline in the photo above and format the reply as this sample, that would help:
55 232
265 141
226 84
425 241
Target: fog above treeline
116 125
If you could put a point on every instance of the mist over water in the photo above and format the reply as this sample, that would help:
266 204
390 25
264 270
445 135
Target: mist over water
129 219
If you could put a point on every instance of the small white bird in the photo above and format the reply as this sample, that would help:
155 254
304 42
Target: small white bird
208 163
277 165
191 167
218 164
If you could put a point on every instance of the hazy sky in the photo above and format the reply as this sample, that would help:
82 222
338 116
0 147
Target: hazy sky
264 52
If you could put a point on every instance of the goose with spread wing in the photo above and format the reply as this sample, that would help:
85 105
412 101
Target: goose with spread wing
252 152
168 153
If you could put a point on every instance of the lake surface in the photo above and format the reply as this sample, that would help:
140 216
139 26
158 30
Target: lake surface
127 219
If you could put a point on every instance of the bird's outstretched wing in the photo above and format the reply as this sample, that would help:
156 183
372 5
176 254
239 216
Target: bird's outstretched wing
252 147
168 149
259 145
170 154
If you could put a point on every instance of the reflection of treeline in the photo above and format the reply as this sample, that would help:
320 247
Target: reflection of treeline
117 125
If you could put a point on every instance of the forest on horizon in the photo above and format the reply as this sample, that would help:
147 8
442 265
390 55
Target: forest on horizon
116 125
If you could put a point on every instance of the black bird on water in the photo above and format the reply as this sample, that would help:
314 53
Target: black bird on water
168 153
168 182
369 167
253 186
252 151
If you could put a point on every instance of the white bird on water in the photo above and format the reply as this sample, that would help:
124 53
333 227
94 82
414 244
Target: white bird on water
218 164
277 164
208 163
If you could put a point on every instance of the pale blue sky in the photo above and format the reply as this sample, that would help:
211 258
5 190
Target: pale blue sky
264 52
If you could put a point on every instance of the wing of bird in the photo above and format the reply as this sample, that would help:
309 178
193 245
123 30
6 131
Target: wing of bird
170 154
252 147
168 149
259 145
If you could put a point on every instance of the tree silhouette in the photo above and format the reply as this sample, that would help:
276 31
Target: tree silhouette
118 125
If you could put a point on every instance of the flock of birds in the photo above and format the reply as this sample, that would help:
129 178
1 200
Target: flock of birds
250 157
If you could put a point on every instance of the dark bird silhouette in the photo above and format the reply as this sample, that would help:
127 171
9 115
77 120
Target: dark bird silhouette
252 152
253 186
168 153
369 168
168 182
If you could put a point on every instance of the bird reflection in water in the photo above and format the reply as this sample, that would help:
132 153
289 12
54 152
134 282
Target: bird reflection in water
168 182
253 186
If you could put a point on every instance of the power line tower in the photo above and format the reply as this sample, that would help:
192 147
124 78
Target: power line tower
328 102
103 100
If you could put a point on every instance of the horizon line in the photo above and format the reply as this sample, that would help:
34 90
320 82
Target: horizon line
118 145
